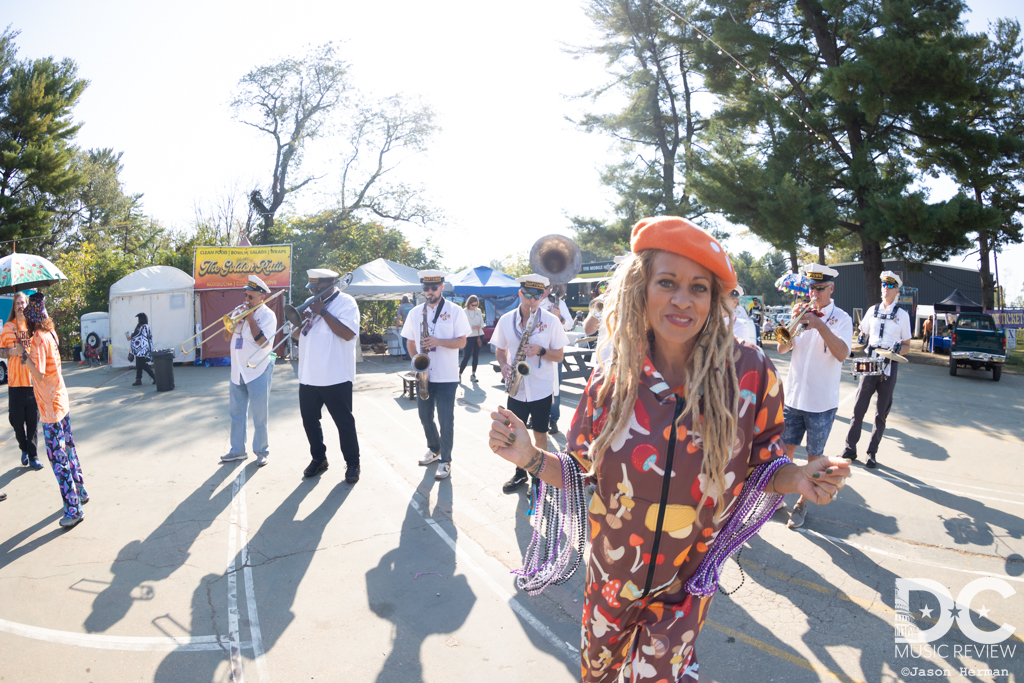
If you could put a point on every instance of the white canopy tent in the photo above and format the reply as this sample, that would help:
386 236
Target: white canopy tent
164 294
383 280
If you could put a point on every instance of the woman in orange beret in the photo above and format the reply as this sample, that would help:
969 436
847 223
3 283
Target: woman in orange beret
680 431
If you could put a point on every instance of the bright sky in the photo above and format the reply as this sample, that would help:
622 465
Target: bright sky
506 169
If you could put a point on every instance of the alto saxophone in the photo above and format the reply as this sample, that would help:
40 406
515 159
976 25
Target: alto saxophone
421 361
521 368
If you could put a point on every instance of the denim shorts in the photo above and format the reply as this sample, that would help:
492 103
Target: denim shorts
817 426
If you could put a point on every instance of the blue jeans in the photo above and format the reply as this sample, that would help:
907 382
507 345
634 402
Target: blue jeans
816 425
442 395
255 394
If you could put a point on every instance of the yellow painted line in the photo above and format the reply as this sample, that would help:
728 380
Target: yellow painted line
781 654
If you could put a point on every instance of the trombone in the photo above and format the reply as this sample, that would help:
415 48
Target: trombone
293 317
229 321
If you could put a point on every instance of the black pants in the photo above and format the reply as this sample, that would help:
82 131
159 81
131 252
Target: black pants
884 387
338 399
540 410
140 365
24 415
473 345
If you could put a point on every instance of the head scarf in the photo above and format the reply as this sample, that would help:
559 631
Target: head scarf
36 309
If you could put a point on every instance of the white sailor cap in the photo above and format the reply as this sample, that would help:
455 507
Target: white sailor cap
432 277
319 276
820 273
257 285
890 278
738 289
533 281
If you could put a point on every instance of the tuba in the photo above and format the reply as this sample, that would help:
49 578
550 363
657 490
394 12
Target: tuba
521 368
557 258
421 361
597 307
786 335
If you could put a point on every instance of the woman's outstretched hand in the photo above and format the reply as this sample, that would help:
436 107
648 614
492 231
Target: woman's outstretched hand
821 480
509 437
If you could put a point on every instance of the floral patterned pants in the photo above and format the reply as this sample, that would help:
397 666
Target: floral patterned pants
60 449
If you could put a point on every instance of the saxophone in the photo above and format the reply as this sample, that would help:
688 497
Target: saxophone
421 361
521 368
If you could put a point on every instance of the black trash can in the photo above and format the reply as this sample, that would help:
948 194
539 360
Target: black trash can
163 368
76 352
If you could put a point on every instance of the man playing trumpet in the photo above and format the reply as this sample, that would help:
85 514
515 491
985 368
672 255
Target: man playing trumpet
250 387
812 385
327 368
542 352
437 328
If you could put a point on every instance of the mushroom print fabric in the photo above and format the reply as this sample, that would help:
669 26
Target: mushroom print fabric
651 637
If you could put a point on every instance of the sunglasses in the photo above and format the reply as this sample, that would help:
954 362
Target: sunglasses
430 288
530 296
886 285
820 288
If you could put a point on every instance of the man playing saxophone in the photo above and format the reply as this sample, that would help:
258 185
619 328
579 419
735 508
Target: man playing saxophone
437 329
812 385
529 334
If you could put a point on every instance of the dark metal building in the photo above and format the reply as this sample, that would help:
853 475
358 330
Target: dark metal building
933 282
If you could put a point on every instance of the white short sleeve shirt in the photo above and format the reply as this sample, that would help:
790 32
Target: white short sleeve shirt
244 347
448 323
812 384
547 332
325 359
563 309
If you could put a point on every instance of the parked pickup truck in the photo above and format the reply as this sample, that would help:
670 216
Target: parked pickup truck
978 343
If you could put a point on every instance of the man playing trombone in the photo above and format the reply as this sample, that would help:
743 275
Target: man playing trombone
812 385
327 368
250 386
437 329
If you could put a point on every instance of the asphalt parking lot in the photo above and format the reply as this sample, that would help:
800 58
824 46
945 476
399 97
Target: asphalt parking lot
187 570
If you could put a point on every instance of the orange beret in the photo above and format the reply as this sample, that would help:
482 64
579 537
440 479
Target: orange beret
680 236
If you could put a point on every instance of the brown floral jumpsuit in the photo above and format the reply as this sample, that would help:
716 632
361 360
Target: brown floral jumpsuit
638 622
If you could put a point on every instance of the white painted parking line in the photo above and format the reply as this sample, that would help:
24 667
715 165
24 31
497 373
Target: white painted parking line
234 652
126 643
259 655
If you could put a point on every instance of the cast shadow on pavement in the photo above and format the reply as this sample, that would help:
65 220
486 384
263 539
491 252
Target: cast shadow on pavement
403 588
164 551
286 543
10 550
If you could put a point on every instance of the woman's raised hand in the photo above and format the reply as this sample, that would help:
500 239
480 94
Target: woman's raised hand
822 479
509 438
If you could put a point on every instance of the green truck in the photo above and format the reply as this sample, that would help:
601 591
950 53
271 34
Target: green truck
977 343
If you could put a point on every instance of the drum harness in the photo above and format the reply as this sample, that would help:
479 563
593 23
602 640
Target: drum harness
881 333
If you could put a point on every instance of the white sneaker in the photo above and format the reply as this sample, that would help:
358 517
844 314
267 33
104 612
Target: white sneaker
261 460
443 470
232 457
430 457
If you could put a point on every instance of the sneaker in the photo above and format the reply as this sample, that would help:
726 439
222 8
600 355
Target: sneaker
83 498
24 459
515 482
443 470
68 522
314 468
850 455
3 496
137 383
553 428
261 460
35 464
472 377
232 457
351 474
797 516
430 457
871 461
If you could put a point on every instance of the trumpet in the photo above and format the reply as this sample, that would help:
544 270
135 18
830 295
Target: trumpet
293 317
786 334
230 321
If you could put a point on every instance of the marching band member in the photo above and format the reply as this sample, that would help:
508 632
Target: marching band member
812 385
327 368
681 435
250 387
438 328
885 326
743 327
542 350
556 306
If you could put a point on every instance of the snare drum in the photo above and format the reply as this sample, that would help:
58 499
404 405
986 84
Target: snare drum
868 367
